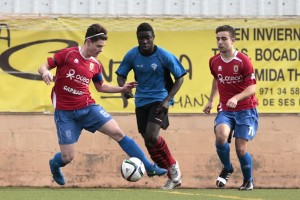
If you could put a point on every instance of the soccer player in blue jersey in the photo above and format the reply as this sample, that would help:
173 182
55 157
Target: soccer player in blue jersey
155 91
235 83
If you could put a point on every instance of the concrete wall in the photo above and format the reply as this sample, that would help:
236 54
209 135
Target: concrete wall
27 142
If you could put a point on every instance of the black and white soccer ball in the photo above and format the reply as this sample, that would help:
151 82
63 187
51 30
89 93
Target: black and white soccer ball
132 169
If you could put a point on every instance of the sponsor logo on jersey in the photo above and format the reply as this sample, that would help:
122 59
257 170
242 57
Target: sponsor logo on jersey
230 79
77 78
139 66
71 74
73 91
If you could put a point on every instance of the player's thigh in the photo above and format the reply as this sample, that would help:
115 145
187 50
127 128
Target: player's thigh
94 117
246 124
68 128
152 133
112 129
224 125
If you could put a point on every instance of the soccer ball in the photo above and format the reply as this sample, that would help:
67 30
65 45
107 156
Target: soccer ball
132 169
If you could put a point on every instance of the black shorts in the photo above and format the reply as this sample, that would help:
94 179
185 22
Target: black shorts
147 113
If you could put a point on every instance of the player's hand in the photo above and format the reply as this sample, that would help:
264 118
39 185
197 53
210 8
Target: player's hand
128 95
163 107
127 87
232 103
132 84
208 108
47 77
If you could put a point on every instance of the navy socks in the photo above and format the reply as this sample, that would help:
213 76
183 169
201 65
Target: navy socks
57 160
224 155
246 166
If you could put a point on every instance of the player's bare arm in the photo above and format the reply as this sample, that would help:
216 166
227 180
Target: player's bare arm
164 106
106 88
121 81
177 84
46 74
213 94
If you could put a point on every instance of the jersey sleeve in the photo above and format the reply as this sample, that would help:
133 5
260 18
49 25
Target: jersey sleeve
126 65
248 71
211 66
98 78
176 68
58 59
172 63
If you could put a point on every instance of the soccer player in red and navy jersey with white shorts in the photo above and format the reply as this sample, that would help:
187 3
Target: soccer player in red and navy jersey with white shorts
235 82
75 109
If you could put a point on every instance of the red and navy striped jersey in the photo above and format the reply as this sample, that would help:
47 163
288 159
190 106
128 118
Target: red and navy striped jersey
233 77
73 76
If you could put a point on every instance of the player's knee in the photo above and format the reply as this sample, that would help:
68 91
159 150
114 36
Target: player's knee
116 134
67 158
119 135
150 141
240 147
221 139
240 152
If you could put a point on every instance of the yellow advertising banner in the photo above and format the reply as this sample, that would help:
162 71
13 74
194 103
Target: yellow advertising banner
272 45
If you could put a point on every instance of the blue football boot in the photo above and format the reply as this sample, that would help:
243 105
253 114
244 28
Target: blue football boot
156 171
57 175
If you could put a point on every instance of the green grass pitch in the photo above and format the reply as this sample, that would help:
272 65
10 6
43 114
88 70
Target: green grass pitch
13 193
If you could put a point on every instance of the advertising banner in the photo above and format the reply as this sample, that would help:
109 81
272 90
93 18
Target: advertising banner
272 45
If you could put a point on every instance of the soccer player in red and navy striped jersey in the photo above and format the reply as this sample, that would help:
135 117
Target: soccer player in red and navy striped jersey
75 109
235 82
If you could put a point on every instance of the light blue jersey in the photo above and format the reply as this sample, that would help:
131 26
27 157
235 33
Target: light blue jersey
149 73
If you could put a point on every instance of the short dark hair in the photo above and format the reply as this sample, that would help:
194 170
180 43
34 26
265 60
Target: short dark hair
145 27
96 32
227 28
